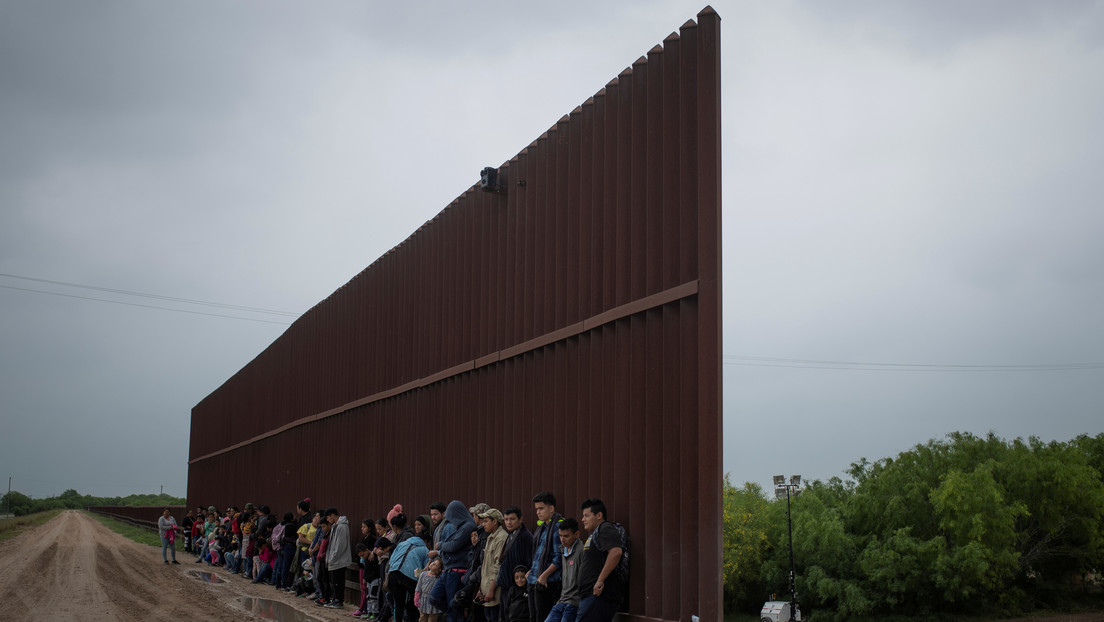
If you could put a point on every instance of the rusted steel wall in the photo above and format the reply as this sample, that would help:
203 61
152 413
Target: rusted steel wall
563 335
146 515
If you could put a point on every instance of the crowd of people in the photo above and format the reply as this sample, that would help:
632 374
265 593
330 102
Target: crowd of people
454 563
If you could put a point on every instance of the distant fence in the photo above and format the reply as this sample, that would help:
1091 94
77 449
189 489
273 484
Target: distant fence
140 516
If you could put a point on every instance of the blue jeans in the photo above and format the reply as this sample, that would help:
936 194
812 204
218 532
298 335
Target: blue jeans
166 546
451 581
247 566
562 612
283 565
263 573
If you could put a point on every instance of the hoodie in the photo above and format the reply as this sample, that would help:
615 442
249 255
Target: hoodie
456 536
338 552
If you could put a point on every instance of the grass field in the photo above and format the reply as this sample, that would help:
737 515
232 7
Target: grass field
12 527
140 535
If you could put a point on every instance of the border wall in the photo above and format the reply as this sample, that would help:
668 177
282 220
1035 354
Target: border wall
142 516
562 335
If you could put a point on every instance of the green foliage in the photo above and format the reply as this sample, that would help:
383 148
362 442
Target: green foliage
745 542
16 503
12 527
962 526
141 535
22 505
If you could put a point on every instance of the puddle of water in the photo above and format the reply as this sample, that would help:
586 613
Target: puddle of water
267 609
206 577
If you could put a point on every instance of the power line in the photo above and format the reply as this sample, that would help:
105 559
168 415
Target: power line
134 304
147 295
792 363
728 359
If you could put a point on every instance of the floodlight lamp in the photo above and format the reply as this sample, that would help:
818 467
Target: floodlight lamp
795 480
489 180
779 480
779 493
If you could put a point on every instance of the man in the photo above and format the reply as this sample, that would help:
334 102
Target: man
566 609
437 516
266 520
166 526
456 549
600 590
519 545
490 592
544 577
338 556
197 527
302 521
186 525
305 538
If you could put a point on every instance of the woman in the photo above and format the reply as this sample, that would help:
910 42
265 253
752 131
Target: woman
167 527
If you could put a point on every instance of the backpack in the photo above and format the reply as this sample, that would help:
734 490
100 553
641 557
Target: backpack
277 537
622 570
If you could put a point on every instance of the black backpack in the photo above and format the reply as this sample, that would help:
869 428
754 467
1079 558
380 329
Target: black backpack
622 569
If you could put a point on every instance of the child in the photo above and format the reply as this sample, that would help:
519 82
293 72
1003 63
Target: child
217 545
515 602
233 555
267 558
378 587
305 583
248 554
246 525
321 572
363 551
426 581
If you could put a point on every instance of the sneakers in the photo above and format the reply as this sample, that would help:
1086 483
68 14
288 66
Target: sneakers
321 602
166 561
357 613
333 604
176 562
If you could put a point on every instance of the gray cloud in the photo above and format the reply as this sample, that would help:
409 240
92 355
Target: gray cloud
902 183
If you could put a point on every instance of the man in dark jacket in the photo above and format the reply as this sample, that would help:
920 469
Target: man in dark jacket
519 546
455 555
544 576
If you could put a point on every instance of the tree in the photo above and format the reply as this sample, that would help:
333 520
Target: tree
745 522
17 503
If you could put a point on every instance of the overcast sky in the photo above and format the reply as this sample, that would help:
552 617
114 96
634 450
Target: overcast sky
909 183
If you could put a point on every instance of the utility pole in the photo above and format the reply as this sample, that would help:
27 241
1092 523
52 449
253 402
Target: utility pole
795 485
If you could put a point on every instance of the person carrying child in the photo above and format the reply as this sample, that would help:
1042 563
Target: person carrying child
167 527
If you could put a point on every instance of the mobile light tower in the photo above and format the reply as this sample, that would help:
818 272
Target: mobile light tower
783 488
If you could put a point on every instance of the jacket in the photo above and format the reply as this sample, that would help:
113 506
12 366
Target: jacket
519 552
456 536
338 553
492 562
409 555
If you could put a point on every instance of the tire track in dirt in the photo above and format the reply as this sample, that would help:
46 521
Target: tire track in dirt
74 568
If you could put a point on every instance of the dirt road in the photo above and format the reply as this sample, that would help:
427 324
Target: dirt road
74 568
